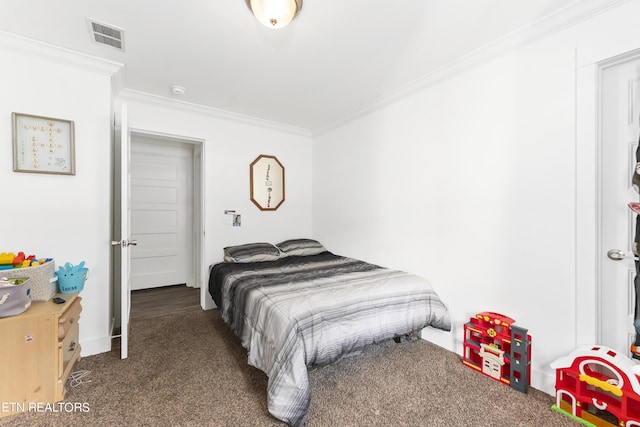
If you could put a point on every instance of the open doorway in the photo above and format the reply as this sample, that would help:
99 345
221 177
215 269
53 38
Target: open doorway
166 222
162 212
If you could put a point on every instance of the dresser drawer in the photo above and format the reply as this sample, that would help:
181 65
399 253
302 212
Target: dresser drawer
69 318
68 349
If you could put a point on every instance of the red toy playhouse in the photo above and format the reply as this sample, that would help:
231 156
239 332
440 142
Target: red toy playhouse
600 386
496 347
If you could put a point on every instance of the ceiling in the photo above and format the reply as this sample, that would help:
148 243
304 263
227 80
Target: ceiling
334 58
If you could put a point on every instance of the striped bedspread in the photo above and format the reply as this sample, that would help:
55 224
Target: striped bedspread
301 311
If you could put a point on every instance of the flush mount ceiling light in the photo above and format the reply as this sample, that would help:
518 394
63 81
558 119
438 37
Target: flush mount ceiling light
274 13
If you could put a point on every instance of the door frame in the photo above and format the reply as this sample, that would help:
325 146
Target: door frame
589 252
198 195
198 212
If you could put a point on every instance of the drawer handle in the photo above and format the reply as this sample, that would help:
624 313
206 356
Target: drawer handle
72 346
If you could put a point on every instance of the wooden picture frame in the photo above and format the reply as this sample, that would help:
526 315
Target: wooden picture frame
266 178
43 145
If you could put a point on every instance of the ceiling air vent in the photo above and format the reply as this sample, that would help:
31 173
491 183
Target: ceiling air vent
106 34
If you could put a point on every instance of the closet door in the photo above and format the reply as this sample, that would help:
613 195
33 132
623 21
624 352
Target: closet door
161 212
619 110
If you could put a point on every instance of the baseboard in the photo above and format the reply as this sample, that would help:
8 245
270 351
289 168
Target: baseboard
441 338
95 346
544 380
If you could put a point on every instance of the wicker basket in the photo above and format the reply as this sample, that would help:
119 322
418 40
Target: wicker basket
43 279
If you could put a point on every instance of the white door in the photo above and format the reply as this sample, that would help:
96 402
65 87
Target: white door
161 212
620 108
122 242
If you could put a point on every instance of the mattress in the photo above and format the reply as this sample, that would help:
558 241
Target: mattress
297 312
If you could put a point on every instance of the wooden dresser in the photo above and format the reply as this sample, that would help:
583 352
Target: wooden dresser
38 349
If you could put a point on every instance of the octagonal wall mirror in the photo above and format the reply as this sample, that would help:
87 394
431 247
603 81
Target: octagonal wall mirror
266 177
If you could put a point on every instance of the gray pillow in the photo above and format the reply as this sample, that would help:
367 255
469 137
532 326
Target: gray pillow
251 252
301 247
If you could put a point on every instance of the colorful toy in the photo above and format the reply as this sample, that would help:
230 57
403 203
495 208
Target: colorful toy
6 258
9 260
496 347
598 386
17 261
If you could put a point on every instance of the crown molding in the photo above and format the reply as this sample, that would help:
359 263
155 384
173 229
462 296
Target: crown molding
26 46
570 15
134 95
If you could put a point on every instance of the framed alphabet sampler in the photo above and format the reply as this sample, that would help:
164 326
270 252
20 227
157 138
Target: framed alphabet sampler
43 145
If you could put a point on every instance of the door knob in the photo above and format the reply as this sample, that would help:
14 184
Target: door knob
124 243
617 255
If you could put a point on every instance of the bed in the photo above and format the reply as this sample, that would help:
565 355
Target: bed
296 305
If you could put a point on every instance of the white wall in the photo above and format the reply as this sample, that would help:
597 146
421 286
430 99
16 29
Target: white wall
60 216
231 143
471 183
69 217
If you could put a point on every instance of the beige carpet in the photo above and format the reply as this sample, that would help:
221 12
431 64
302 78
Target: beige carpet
187 369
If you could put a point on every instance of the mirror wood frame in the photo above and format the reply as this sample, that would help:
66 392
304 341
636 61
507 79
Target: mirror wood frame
266 179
